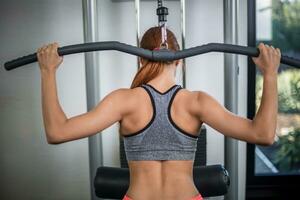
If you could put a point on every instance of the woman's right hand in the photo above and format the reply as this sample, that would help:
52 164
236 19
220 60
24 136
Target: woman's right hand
268 60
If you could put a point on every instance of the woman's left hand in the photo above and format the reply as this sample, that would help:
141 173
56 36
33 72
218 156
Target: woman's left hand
48 57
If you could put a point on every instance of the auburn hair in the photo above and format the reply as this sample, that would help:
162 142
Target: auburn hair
151 69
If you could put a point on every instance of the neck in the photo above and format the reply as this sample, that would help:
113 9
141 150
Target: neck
165 79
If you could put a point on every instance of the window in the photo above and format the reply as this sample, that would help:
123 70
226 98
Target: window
275 22
278 24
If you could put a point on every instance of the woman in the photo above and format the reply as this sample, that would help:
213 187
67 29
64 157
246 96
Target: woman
160 120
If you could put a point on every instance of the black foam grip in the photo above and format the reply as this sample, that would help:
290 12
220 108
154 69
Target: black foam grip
161 55
113 182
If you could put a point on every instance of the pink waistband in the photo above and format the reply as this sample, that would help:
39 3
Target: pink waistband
126 197
198 197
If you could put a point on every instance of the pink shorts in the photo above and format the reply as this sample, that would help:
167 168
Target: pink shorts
198 197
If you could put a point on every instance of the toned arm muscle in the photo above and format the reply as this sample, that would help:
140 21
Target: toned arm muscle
58 127
211 112
109 110
262 129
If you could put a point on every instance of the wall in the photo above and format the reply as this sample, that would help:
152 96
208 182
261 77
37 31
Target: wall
30 167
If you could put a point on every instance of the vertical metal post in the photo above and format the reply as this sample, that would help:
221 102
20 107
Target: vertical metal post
137 16
182 13
92 85
231 94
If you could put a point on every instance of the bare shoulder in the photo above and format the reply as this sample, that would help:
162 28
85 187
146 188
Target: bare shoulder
201 97
127 95
191 96
195 101
186 98
127 98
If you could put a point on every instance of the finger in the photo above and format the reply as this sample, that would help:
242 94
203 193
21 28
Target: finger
264 49
48 48
261 45
278 51
269 49
54 46
274 52
272 47
261 48
43 48
38 52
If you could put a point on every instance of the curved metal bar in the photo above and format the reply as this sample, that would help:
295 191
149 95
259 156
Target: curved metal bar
157 55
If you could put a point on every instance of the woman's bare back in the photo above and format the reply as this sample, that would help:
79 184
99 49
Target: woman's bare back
167 179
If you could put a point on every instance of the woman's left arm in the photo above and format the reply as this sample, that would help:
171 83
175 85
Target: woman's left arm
58 128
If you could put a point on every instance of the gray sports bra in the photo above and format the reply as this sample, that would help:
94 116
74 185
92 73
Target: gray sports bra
161 138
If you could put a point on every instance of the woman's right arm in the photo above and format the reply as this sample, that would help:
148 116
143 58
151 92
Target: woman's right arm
261 130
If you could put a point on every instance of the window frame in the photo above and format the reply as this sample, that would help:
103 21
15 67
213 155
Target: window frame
262 186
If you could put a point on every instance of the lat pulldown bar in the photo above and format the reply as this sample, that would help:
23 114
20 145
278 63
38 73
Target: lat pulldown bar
157 55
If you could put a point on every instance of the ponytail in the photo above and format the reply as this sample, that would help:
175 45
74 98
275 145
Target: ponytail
146 73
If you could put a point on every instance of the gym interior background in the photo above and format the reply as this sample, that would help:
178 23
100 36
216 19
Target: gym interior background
33 169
